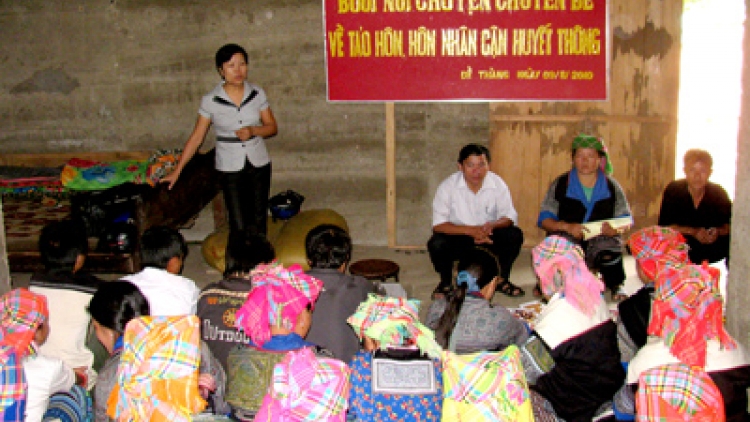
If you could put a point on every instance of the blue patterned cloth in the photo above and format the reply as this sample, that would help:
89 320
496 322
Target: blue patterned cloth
366 406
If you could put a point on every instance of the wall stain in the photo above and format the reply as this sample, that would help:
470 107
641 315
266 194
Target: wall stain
646 42
47 81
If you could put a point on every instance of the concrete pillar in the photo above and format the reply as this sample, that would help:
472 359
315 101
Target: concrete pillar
738 288
4 270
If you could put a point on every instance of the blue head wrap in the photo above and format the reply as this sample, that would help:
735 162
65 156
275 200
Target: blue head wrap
465 278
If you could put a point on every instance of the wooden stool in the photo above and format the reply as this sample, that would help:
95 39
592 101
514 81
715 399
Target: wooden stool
375 269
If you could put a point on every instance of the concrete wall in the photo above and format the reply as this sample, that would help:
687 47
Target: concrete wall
108 75
738 300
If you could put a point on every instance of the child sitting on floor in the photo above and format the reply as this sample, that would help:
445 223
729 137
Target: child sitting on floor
329 249
63 246
218 302
163 252
34 386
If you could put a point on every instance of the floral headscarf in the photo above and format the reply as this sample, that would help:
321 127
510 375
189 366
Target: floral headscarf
687 312
588 141
393 321
655 247
277 298
557 255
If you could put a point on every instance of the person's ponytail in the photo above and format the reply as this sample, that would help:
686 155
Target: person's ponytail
449 318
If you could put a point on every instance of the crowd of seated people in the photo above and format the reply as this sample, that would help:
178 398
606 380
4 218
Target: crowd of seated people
275 343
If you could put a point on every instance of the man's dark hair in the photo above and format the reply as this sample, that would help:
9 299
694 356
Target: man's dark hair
245 250
60 244
328 246
473 149
225 53
159 244
115 303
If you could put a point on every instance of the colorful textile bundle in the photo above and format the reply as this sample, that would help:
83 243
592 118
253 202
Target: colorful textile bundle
393 321
656 247
677 392
687 312
80 174
588 141
160 164
157 379
307 388
21 313
558 256
277 298
486 386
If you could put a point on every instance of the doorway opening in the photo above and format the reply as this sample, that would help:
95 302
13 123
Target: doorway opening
710 85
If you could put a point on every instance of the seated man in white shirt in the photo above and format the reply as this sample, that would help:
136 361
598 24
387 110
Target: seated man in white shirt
473 206
163 252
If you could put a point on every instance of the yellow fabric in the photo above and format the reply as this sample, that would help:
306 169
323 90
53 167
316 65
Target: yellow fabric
287 237
455 411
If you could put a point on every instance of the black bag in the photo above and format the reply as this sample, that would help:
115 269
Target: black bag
98 209
285 205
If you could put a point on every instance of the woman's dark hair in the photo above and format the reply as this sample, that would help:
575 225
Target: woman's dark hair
245 250
225 53
115 303
479 263
159 244
328 246
473 149
60 244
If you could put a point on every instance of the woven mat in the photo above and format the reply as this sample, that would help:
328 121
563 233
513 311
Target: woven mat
25 218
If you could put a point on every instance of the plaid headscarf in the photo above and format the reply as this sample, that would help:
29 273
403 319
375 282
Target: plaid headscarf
486 386
588 141
21 313
157 379
277 298
656 247
677 392
306 388
393 321
557 255
687 312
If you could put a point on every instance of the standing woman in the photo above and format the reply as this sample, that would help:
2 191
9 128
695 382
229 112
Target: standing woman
243 119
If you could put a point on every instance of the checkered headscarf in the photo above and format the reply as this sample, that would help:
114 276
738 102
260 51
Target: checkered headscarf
307 388
21 313
556 257
677 392
656 247
277 298
488 386
393 321
588 141
687 312
157 379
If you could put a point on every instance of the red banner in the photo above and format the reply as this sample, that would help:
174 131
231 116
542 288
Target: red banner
473 50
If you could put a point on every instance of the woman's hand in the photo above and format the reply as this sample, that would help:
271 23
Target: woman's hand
206 385
608 230
574 229
170 179
245 133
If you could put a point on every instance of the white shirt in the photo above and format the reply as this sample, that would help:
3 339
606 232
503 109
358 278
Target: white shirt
656 353
455 203
227 118
560 321
45 376
167 294
69 322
